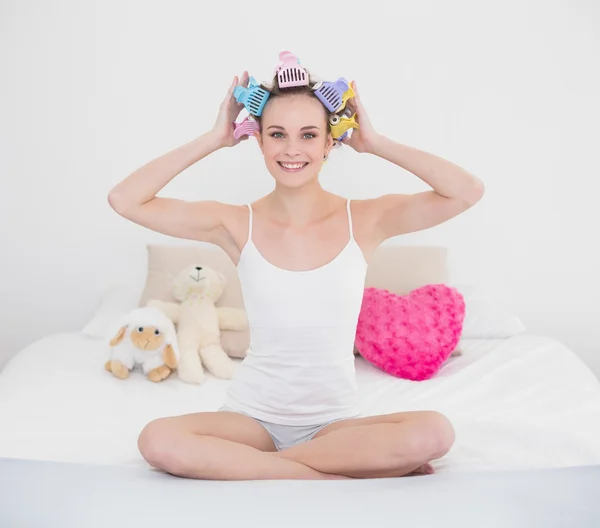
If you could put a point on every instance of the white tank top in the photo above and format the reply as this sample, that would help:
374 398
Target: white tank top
300 366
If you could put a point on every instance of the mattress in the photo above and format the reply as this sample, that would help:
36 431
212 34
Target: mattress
67 495
525 402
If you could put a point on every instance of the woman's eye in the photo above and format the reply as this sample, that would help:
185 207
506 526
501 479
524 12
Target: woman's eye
279 134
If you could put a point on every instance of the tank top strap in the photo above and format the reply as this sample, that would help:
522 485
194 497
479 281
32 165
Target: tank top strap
249 221
349 218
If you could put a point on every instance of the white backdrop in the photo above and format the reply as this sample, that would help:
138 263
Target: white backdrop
92 90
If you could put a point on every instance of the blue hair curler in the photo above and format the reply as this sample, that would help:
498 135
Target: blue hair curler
331 93
253 98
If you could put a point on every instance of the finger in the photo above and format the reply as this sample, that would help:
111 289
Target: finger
352 106
356 94
231 88
244 79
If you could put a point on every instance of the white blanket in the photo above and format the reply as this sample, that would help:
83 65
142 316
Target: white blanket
523 402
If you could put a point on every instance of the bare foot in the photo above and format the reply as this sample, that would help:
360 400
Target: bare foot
425 469
331 476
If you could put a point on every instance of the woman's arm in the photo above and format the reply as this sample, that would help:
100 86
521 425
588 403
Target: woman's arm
144 184
454 190
135 197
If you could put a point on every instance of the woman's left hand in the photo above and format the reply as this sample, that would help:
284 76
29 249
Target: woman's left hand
360 139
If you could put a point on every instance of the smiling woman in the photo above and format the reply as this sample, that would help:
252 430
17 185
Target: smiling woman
301 253
294 134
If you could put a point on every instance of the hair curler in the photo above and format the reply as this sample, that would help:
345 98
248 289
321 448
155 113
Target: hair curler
289 72
348 94
253 98
247 127
334 119
345 123
331 93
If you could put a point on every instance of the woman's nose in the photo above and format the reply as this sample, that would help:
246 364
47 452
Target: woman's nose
292 149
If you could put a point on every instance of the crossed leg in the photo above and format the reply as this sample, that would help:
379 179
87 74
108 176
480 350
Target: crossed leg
218 446
390 445
231 446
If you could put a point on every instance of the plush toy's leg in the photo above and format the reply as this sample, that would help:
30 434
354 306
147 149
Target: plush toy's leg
232 318
216 360
190 368
169 357
117 368
159 373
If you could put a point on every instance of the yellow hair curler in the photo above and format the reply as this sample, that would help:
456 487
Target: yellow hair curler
348 94
340 124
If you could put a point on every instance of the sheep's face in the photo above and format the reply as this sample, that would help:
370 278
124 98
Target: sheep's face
147 337
198 281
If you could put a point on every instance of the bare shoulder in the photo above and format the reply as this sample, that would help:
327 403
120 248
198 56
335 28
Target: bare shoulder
364 225
230 233
234 233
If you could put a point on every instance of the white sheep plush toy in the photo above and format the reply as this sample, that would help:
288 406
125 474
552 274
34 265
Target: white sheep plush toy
146 337
199 322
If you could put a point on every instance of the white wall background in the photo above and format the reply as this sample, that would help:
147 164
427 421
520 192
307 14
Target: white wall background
90 91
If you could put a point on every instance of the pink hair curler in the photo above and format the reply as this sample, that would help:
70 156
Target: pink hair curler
289 72
331 94
246 128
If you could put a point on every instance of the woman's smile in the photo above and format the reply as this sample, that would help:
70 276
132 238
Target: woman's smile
292 167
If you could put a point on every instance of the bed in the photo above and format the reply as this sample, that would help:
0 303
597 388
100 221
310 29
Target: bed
525 408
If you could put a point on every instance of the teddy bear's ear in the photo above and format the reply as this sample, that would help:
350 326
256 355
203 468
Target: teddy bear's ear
119 337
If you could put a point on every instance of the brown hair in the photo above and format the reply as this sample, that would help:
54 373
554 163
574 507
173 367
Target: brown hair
275 91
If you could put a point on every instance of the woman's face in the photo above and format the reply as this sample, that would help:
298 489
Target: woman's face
294 138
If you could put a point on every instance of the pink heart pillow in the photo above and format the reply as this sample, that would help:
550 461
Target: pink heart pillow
410 336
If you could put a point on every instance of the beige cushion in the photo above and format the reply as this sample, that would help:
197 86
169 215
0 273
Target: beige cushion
399 269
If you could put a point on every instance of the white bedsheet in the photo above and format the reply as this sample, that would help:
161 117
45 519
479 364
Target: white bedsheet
517 403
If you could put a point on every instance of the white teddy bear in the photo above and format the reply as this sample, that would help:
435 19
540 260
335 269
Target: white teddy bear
199 322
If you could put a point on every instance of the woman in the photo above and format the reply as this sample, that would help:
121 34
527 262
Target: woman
301 253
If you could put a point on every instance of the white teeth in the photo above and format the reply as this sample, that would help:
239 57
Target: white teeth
293 165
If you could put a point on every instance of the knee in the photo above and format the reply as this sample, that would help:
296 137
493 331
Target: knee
438 434
156 442
430 437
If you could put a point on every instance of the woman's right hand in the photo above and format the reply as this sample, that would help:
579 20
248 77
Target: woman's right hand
228 113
